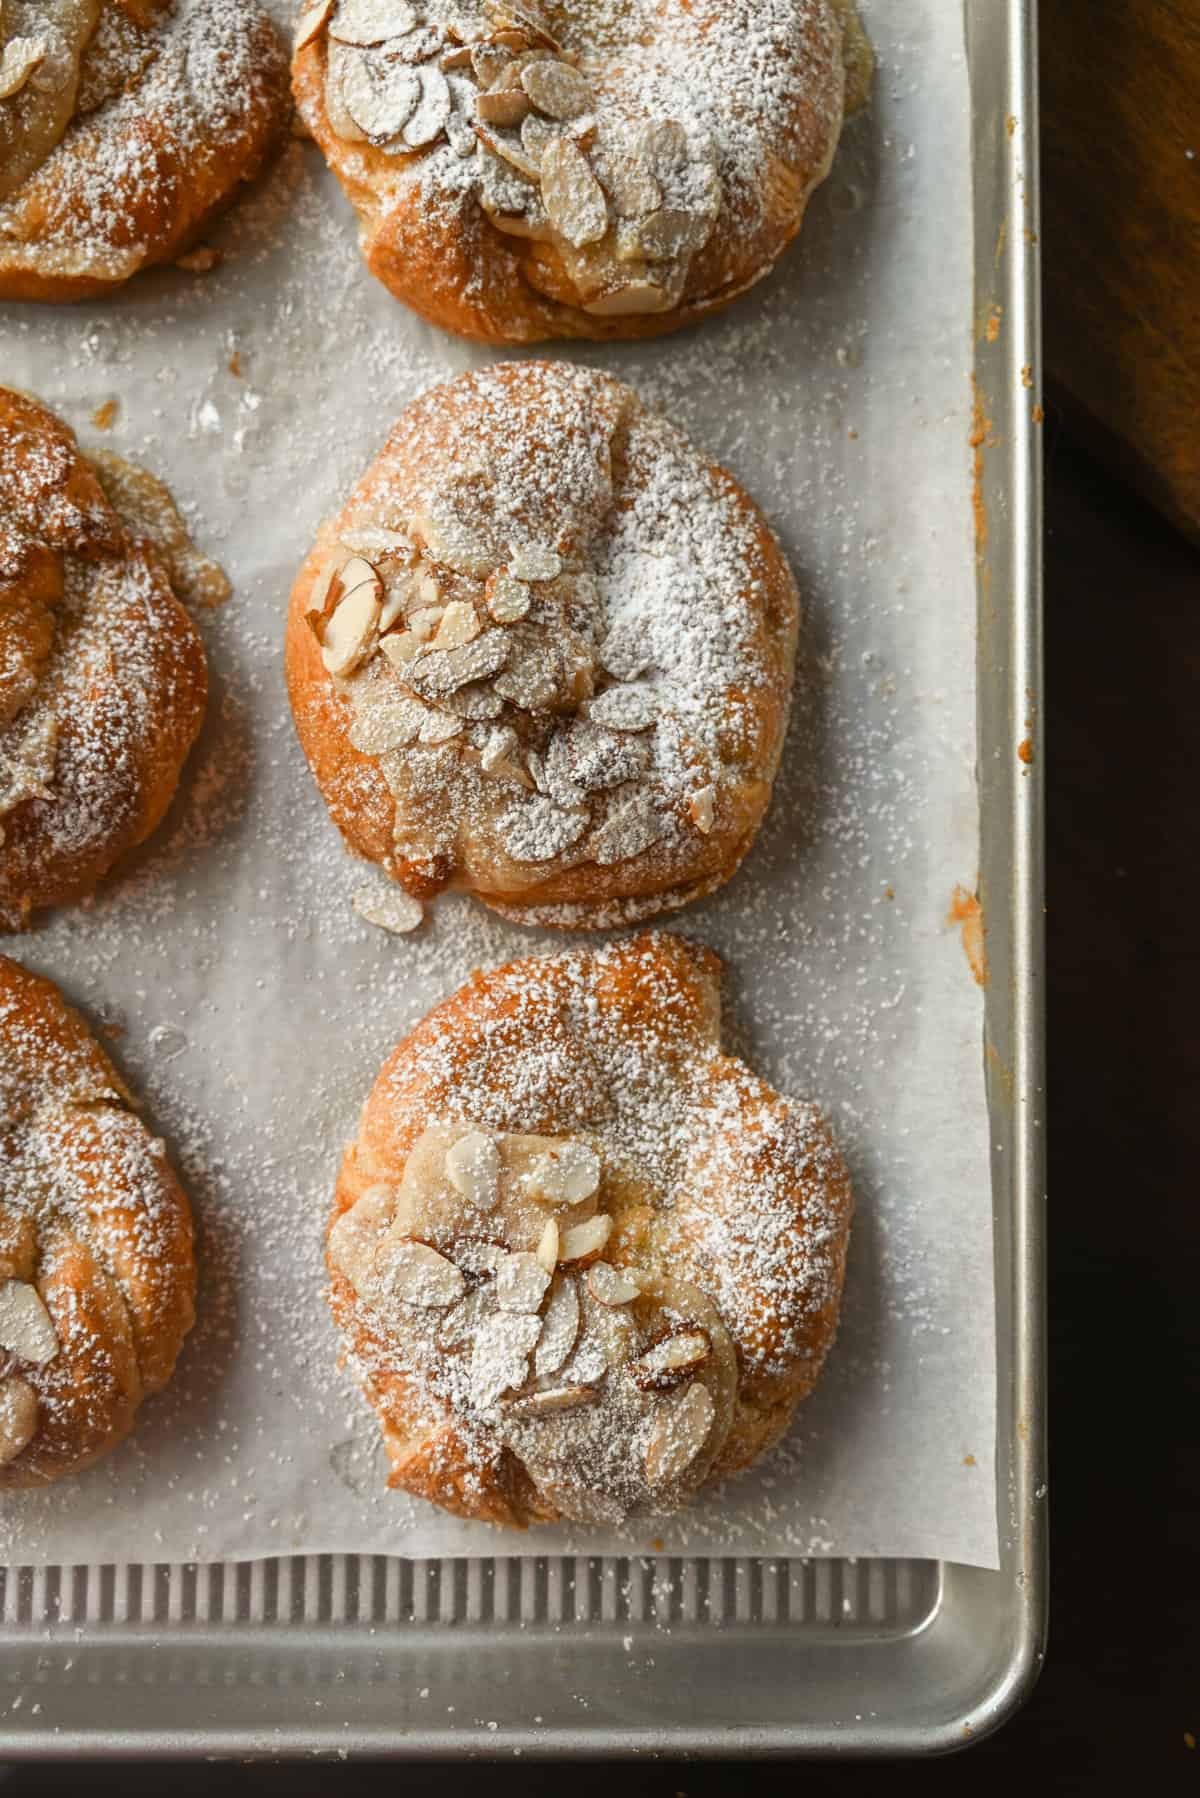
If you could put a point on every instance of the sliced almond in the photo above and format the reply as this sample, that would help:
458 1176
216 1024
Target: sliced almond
536 829
374 540
478 1255
509 13
573 197
311 24
514 155
560 1327
500 750
508 600
18 1417
450 539
665 1363
630 180
502 106
488 61
433 109
441 727
521 1282
457 56
547 1248
701 809
428 615
351 625
417 1275
371 21
473 1169
557 89
458 624
628 830
401 648
629 301
398 912
500 1355
391 723
671 232
610 1285
552 1399
327 577
443 671
565 1175
26 1327
457 1329
623 708
22 55
378 97
679 1434
534 562
585 1242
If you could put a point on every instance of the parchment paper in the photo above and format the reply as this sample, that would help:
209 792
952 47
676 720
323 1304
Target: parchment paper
254 1007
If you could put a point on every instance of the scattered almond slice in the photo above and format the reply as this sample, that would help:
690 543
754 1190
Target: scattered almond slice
628 830
489 61
502 106
573 197
585 1242
417 1275
629 300
456 56
18 1417
666 1362
398 912
623 708
536 829
26 1327
392 723
560 1328
425 620
441 727
534 562
679 1434
379 98
701 809
508 600
610 1285
311 24
451 540
458 624
478 1255
401 648
321 589
473 1169
630 181
547 1248
500 1355
22 55
442 671
557 89
429 120
350 626
521 1282
372 21
564 1176
457 1329
373 540
552 1399
511 151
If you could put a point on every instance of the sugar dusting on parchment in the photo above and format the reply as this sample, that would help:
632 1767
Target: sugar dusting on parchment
257 1006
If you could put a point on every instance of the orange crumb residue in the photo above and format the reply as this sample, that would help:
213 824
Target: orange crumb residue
657 1545
1038 415
969 1461
981 426
1027 375
1025 751
966 911
1010 124
105 416
992 329
235 364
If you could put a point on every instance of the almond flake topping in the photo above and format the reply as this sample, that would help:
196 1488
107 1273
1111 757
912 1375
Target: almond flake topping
350 627
429 120
371 21
473 1169
557 89
665 1364
610 1285
500 1355
508 600
566 1175
585 1242
22 55
312 23
502 106
459 624
18 1417
623 708
379 97
552 1399
573 197
26 1328
534 562
521 1282
701 809
560 1328
679 1434
547 1248
417 1275
443 671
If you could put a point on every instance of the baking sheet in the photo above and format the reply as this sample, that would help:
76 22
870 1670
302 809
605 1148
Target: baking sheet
252 1007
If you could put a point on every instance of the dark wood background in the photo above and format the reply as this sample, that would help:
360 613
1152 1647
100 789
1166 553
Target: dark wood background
1120 1695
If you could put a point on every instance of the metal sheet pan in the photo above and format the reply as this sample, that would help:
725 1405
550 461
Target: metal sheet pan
583 1656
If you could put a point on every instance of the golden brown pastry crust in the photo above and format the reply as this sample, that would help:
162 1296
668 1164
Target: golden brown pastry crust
92 1221
103 679
749 92
719 1191
173 104
668 572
